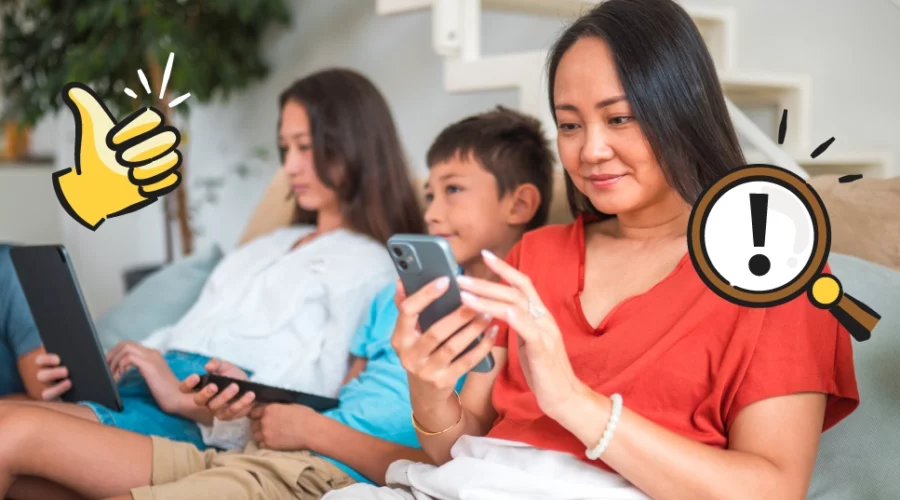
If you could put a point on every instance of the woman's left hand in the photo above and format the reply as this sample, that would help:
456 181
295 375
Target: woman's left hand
542 353
285 427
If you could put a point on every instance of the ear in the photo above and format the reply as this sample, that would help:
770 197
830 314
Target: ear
524 202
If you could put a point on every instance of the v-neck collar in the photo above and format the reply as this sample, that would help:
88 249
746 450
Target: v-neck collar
581 243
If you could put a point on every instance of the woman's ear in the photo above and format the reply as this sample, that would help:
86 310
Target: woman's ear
524 203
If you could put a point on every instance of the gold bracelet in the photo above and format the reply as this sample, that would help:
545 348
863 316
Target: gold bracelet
427 433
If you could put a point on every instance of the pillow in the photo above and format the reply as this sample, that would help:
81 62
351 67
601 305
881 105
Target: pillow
858 457
159 300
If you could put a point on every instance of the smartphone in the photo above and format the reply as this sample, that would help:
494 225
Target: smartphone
421 259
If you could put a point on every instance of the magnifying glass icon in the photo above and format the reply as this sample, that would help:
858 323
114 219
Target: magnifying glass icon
760 237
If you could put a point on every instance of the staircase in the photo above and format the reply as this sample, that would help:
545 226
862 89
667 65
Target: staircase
456 34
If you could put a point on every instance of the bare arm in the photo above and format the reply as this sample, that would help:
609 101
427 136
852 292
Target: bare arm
475 417
771 452
28 370
344 444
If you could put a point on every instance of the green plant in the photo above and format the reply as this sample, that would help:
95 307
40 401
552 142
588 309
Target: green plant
103 43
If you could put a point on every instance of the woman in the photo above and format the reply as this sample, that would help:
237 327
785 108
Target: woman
621 375
284 306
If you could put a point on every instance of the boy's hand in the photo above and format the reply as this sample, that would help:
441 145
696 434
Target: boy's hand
53 375
283 427
220 404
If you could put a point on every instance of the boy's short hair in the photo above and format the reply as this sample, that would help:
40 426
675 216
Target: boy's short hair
510 145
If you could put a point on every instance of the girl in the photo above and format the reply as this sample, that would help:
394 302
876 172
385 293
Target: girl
619 373
284 306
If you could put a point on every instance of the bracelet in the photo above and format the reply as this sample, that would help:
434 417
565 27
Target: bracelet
614 416
428 433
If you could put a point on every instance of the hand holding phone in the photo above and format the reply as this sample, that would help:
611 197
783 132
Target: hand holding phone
452 335
224 398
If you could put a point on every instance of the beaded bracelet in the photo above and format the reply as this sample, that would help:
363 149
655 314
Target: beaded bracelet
428 433
615 414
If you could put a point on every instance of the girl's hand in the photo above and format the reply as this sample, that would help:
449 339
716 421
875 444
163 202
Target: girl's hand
541 351
429 357
153 367
53 375
220 405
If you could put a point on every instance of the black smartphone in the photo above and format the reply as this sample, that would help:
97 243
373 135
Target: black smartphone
421 259
267 393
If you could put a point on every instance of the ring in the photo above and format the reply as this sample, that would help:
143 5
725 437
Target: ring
534 311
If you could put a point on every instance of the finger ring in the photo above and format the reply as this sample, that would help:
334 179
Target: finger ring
535 311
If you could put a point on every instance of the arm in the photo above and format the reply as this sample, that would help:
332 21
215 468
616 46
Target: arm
475 417
28 371
342 443
771 453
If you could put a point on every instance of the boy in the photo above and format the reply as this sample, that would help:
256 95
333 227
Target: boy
21 351
490 180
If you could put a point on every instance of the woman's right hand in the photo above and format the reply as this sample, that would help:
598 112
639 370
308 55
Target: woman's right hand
53 375
433 373
219 402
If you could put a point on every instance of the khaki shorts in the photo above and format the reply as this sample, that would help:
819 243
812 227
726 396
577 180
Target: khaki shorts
181 471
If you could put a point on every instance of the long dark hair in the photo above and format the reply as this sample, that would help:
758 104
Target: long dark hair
357 153
671 84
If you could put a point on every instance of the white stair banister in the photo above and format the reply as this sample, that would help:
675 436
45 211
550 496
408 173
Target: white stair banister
745 128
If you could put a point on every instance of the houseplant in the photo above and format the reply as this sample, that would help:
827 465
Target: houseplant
47 43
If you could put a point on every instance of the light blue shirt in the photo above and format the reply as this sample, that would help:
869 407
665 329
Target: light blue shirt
18 333
377 401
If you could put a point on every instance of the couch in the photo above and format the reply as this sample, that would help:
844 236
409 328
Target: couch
858 458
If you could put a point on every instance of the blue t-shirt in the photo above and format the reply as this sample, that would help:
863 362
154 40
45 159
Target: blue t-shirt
18 333
377 401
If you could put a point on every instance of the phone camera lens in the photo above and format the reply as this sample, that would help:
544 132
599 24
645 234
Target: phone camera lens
404 265
398 251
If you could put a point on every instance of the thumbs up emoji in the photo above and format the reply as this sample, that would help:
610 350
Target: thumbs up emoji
119 168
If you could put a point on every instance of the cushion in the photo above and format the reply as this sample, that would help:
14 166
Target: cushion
864 215
159 300
858 457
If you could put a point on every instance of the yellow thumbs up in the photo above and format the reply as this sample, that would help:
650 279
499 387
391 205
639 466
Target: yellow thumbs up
119 168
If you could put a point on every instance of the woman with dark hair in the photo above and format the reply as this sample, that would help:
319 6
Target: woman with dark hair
619 373
284 306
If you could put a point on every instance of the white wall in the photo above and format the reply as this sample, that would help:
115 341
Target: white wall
851 49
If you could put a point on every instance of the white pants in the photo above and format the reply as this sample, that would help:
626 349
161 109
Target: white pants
495 469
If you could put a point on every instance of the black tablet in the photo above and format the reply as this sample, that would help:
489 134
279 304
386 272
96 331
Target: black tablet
268 394
64 323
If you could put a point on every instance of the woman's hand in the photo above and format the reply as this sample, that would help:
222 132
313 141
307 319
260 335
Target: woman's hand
431 366
53 375
283 427
542 353
153 367
220 404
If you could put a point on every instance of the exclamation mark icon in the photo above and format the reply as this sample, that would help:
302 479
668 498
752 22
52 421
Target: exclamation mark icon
759 208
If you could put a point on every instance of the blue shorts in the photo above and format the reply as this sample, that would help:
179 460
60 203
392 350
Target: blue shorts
142 415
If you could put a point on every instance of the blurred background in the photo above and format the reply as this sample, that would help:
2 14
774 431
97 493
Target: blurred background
834 64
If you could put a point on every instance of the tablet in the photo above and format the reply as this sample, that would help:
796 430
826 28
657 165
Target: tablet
64 323
268 394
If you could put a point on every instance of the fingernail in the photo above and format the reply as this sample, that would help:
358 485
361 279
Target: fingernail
467 297
464 280
488 254
510 314
492 333
487 317
442 282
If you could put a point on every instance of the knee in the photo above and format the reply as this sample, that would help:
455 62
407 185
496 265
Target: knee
18 424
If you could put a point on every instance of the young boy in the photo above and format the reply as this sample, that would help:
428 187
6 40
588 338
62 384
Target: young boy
490 180
21 351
